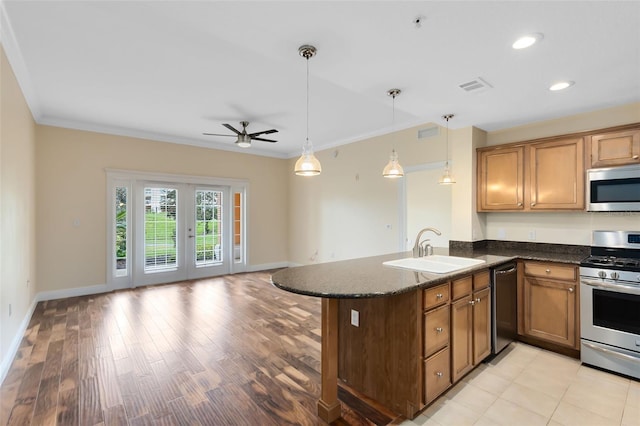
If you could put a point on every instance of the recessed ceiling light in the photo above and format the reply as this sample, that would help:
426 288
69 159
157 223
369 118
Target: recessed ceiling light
526 41
561 85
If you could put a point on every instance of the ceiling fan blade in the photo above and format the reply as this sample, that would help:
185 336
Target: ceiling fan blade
230 127
218 134
263 140
264 132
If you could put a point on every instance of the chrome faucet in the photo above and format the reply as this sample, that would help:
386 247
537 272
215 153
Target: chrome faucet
424 248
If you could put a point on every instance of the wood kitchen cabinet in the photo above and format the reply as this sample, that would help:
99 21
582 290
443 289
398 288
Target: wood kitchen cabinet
544 175
436 335
470 323
614 148
556 175
501 179
549 303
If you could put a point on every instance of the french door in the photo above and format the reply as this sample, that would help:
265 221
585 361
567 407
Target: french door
181 231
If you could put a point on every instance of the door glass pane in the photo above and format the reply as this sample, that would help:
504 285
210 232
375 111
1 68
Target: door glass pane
208 232
121 231
237 227
160 229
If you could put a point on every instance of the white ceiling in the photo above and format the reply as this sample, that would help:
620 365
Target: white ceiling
171 70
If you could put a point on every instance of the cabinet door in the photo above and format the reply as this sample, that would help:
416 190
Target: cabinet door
550 310
615 149
556 175
481 325
461 338
501 179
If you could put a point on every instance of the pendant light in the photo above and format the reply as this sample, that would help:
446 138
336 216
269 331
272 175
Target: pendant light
307 164
447 178
393 169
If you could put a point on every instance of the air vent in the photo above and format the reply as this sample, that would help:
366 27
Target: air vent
477 85
428 132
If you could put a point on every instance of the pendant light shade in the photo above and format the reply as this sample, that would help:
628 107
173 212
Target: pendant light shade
447 178
393 169
307 164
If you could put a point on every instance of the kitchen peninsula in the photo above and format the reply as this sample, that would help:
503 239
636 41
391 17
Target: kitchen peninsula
382 356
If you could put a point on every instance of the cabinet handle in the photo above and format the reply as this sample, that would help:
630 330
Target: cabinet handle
635 157
471 302
439 296
548 271
439 329
439 374
478 300
519 204
570 289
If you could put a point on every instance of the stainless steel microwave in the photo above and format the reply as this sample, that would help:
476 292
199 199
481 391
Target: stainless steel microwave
615 189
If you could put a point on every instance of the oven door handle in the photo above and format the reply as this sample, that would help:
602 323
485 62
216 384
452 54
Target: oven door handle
610 352
618 288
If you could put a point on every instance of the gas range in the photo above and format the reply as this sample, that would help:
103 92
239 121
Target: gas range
615 255
610 303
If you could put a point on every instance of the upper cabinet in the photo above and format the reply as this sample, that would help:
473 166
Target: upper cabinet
546 175
501 179
556 175
614 148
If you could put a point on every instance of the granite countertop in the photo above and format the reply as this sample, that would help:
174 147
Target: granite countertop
367 277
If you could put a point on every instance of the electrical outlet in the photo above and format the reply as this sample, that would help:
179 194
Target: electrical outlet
532 235
502 233
355 318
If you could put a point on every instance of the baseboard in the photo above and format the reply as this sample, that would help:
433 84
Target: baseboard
71 292
15 343
267 266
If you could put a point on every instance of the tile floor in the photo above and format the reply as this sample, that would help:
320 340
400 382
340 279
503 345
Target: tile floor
526 385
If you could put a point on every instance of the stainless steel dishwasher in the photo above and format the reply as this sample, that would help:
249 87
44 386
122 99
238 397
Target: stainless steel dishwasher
504 317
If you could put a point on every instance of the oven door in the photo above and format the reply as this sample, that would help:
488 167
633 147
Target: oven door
610 313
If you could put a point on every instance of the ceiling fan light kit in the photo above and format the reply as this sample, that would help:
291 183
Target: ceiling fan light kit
393 169
307 164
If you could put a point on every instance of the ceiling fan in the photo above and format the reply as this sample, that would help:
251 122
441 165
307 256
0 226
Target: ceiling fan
244 138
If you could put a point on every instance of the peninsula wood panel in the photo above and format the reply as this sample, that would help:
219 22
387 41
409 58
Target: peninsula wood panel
382 358
615 148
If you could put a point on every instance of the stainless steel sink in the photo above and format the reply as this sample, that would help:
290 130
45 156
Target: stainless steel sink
435 264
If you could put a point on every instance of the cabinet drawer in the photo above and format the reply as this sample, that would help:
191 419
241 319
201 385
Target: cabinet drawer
461 287
437 376
480 280
550 270
436 330
435 296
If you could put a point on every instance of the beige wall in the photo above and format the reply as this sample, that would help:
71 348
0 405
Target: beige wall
568 228
71 185
17 211
350 210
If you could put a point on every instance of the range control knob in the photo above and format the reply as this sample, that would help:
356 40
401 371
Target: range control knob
602 274
615 275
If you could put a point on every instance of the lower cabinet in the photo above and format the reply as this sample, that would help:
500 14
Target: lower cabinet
437 376
549 303
470 327
407 349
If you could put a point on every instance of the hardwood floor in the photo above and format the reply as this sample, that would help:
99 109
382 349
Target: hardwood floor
230 350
